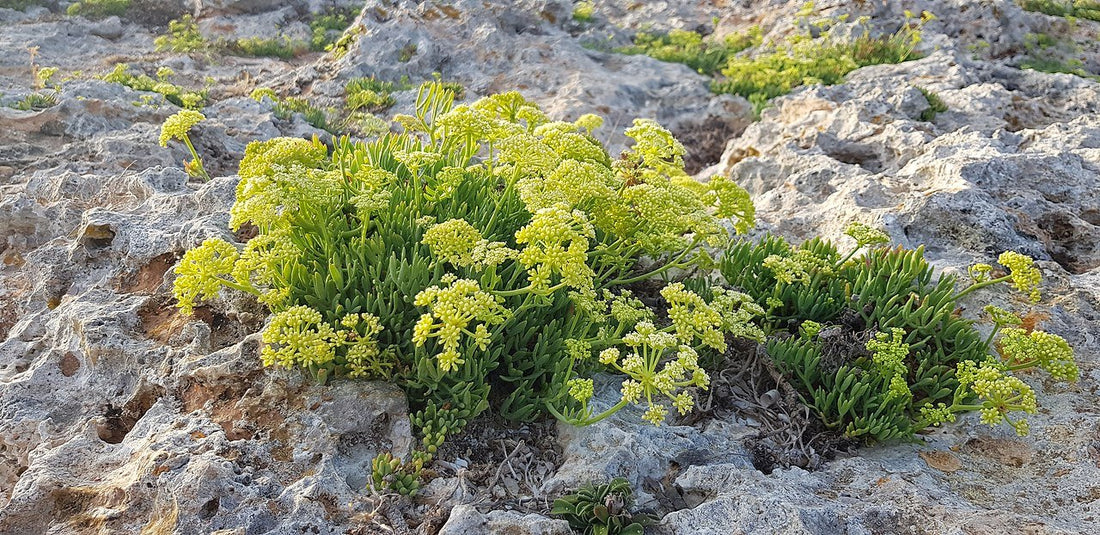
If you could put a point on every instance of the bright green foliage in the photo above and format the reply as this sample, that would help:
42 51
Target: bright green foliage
98 9
369 94
183 36
707 55
1046 53
285 108
583 11
327 28
179 126
284 47
602 510
35 102
390 474
143 82
936 105
880 355
486 251
1083 9
778 68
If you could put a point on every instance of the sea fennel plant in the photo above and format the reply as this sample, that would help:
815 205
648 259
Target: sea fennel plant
486 253
875 343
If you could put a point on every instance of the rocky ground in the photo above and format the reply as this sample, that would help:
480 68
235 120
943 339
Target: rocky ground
117 415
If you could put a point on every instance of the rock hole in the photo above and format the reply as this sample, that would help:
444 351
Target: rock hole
117 422
97 236
209 509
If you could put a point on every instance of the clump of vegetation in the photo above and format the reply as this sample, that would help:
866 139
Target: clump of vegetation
370 94
179 127
583 11
602 510
285 108
874 343
707 55
328 28
142 82
278 47
1082 9
35 102
183 36
781 67
490 257
936 105
406 53
1046 53
19 5
98 9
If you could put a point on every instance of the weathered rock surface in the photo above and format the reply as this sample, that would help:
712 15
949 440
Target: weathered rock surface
118 415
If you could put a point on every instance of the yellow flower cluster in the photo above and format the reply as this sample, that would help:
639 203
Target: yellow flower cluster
458 242
1000 393
786 269
557 244
177 126
298 336
1025 276
865 234
452 309
888 352
649 347
1049 351
268 170
201 272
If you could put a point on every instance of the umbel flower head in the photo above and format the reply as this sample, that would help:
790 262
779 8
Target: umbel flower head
178 125
1025 276
999 392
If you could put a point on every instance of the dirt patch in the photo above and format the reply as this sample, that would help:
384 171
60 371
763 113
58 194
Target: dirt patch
751 387
147 278
69 364
1007 451
706 142
944 461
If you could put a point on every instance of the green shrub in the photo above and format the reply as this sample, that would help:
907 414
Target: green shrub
283 47
142 82
490 257
35 102
328 27
703 54
583 11
936 105
285 108
462 274
369 94
98 9
781 67
1046 53
602 510
1083 9
875 345
183 36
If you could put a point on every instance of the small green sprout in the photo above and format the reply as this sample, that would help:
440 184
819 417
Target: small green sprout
178 127
602 510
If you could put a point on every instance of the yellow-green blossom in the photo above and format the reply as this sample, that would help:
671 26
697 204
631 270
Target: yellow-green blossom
201 272
1025 276
451 310
177 126
866 234
297 336
1049 351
